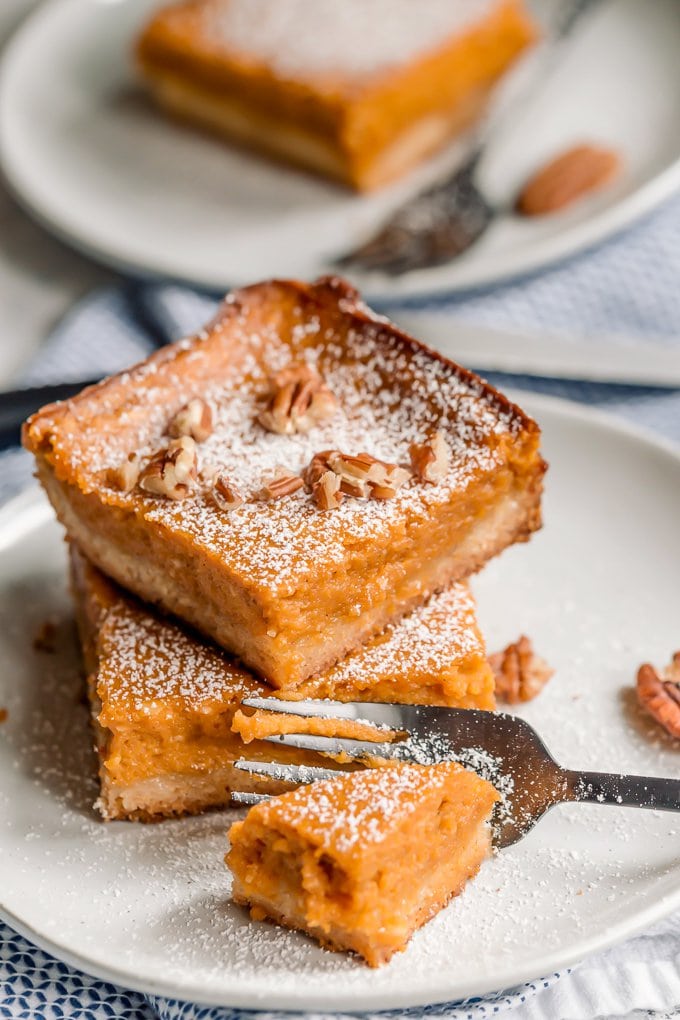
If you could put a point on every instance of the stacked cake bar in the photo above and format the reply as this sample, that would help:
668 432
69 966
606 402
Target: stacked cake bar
288 502
357 91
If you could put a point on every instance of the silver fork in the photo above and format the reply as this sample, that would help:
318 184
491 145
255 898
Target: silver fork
441 222
502 748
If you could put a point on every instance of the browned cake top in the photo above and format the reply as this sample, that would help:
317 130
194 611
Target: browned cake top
391 392
355 813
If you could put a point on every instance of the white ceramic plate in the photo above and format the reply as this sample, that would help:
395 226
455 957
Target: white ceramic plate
148 906
86 153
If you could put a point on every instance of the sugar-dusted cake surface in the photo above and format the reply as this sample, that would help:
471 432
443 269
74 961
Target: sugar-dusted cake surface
361 861
287 587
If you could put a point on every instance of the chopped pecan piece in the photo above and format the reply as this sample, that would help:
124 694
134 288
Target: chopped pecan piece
125 476
195 419
520 673
172 472
225 495
299 400
660 694
430 460
282 484
326 491
318 466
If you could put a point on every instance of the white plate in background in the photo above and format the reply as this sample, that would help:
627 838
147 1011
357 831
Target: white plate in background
148 907
100 167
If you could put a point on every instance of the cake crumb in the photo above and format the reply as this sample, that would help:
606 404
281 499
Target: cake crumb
45 639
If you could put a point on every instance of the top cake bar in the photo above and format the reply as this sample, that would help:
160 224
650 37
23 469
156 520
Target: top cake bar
358 90
433 472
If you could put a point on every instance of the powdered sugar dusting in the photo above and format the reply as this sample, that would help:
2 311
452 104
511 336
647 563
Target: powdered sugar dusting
359 811
389 395
353 38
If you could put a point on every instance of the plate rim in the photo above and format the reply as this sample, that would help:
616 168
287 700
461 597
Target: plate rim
508 978
576 239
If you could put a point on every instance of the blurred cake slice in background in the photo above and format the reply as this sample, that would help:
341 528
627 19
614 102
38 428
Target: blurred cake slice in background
357 91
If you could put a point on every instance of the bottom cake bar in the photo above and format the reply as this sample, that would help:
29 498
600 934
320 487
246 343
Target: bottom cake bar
166 705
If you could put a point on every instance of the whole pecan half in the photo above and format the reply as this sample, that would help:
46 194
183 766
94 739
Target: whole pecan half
660 694
520 673
573 174
299 400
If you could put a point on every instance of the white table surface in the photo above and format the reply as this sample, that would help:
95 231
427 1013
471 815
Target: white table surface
39 277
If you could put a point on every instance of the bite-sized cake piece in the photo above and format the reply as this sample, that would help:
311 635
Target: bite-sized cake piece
362 861
294 478
165 704
356 91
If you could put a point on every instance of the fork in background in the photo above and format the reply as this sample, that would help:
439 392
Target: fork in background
443 221
502 748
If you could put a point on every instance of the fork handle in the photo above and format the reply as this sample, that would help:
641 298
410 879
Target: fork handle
629 791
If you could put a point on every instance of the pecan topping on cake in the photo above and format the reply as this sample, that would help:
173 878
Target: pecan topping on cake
360 475
326 491
430 460
125 476
194 419
172 472
660 694
225 495
520 673
284 483
299 400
